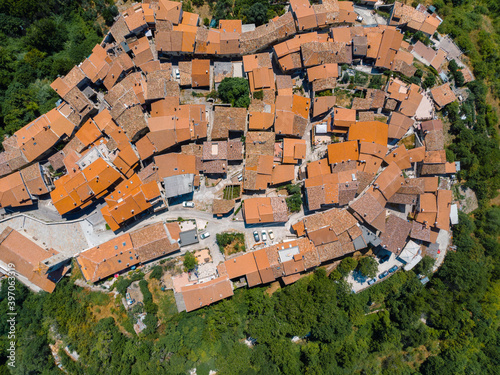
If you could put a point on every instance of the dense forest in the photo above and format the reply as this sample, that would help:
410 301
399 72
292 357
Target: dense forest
316 326
40 40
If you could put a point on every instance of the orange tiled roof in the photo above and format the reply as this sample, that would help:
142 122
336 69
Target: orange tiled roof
369 131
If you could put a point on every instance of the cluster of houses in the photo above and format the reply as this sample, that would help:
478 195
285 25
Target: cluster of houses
122 133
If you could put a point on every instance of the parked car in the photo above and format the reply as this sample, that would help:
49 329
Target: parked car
204 235
383 274
385 259
264 235
188 204
372 281
240 177
271 235
177 74
393 269
256 236
359 19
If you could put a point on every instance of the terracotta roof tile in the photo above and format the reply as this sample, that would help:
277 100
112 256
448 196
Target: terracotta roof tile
395 235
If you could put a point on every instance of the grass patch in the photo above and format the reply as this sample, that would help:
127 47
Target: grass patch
408 142
344 97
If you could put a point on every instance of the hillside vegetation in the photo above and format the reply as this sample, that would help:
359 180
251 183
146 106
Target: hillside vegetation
449 326
39 40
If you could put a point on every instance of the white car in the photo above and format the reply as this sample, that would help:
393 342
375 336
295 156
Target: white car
271 235
264 235
177 74
204 235
188 204
359 19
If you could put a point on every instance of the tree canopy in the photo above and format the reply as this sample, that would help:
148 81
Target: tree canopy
235 91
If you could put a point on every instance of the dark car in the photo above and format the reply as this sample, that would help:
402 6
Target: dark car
383 274
256 236
385 259
393 269
372 281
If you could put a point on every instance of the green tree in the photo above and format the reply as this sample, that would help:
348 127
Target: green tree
190 261
294 202
368 267
429 81
347 265
424 267
257 14
235 91
46 35
223 9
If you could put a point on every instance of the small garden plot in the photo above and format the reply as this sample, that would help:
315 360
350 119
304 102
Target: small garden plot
344 98
408 142
231 242
232 192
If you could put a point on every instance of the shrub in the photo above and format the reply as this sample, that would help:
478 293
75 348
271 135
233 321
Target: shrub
375 82
123 283
429 81
294 203
258 95
224 239
157 273
324 93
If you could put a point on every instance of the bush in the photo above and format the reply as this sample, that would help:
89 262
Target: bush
123 283
258 95
227 238
190 261
147 298
157 273
360 78
324 93
293 189
206 22
235 91
294 203
375 82
429 81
